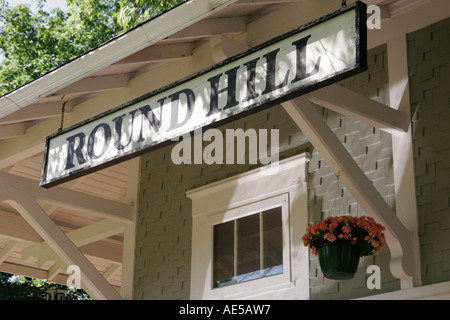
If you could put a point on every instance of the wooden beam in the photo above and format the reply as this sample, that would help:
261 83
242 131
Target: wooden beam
14 227
224 47
419 15
80 237
129 237
159 53
105 250
12 130
26 271
66 198
402 150
95 84
356 106
94 283
6 250
36 112
343 165
111 271
210 28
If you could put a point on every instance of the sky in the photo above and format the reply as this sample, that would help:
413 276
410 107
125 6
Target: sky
50 4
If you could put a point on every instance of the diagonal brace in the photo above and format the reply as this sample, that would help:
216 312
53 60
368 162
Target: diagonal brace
398 238
94 283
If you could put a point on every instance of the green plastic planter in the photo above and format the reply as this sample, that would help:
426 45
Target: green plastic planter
339 261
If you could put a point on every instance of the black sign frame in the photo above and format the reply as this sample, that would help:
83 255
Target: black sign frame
359 9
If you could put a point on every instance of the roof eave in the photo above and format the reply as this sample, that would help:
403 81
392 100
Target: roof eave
110 52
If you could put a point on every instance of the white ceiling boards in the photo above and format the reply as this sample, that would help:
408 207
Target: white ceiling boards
312 56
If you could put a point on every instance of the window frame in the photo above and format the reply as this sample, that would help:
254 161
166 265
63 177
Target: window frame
242 195
248 210
261 219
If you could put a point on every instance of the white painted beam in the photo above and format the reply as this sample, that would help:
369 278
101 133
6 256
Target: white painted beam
12 130
80 237
27 271
159 53
343 165
224 47
210 28
36 112
7 249
66 198
95 84
93 282
418 16
14 227
129 238
356 106
111 271
402 149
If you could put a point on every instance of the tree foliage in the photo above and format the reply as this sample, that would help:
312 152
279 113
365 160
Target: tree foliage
23 288
33 43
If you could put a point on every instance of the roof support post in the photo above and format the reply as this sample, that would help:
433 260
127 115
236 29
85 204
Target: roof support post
93 282
402 149
398 238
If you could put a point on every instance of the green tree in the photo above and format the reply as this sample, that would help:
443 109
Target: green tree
14 287
32 44
132 13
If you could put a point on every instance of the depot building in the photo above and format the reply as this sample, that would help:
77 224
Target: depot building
185 158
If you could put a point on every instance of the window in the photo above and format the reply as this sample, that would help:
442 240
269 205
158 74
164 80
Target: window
248 248
246 235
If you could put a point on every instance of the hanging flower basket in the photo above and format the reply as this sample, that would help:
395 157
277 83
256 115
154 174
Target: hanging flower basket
341 241
339 261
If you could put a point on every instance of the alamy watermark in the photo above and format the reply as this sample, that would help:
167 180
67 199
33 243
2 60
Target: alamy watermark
231 146
74 279
374 19
374 280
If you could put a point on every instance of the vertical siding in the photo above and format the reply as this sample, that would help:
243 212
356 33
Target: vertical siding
429 69
164 222
164 228
372 150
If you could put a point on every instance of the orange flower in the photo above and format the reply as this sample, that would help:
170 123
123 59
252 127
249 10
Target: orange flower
360 231
346 229
330 237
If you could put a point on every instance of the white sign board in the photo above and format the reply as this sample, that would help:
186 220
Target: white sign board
312 56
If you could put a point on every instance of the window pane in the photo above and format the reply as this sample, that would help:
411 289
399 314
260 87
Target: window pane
248 246
272 242
223 253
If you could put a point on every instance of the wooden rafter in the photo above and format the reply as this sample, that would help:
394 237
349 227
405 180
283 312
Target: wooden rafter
356 106
71 199
159 53
93 282
341 162
12 130
36 112
80 237
211 27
